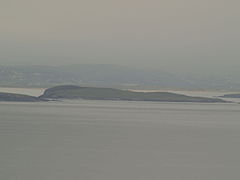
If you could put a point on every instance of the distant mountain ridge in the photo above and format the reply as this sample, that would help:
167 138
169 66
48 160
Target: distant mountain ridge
104 75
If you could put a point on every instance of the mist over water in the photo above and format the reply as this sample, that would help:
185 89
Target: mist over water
27 91
178 35
108 140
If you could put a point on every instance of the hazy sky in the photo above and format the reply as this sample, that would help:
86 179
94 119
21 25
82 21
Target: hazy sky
177 34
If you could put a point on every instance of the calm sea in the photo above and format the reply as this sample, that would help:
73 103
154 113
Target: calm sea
116 140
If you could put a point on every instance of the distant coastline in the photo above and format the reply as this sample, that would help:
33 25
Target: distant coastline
37 91
135 95
96 93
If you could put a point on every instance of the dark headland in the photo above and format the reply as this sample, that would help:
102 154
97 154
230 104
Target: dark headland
95 93
18 98
231 96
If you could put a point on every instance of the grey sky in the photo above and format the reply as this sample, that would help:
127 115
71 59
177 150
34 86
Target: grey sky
177 34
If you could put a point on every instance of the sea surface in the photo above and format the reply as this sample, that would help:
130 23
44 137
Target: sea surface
119 140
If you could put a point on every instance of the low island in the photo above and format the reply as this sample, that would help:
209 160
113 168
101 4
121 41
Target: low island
95 93
231 96
18 98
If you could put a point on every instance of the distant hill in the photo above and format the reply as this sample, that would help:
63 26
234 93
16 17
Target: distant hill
87 74
103 75
93 93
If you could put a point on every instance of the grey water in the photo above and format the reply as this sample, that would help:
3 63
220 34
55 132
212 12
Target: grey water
116 140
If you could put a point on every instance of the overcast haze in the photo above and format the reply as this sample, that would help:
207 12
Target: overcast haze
173 34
